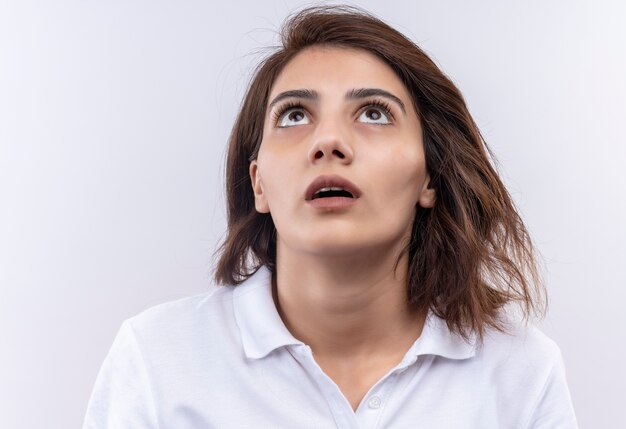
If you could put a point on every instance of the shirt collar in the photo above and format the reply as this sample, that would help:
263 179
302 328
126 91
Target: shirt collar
262 330
437 339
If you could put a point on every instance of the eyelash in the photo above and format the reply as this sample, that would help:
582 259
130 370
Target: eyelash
380 104
281 110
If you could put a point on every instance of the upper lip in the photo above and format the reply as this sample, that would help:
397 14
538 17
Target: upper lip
331 180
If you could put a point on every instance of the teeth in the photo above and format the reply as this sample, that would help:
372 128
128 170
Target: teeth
328 189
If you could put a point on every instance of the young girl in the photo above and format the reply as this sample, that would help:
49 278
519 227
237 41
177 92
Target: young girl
371 269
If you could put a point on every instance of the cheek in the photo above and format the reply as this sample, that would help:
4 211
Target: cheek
279 179
403 171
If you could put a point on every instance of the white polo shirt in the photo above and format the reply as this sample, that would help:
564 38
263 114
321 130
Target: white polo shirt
224 359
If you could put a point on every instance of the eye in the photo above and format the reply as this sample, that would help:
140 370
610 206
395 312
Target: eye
290 115
376 112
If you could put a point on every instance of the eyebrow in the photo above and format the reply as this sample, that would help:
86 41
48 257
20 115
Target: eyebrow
355 94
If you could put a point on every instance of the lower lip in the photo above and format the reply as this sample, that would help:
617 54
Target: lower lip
332 202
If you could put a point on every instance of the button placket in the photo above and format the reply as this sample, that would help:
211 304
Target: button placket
374 402
338 404
373 407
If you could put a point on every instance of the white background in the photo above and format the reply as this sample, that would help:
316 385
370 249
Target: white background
114 117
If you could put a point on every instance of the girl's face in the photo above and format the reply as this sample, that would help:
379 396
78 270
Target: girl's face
342 112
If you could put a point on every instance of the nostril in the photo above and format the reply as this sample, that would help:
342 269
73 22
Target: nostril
336 152
339 154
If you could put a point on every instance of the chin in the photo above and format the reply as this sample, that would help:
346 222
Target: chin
339 243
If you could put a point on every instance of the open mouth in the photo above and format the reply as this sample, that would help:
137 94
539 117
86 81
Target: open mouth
332 187
332 192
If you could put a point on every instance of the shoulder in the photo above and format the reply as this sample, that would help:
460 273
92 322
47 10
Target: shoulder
526 363
521 341
521 361
199 319
518 356
209 323
186 306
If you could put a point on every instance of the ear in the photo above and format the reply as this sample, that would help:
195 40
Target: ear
260 202
427 195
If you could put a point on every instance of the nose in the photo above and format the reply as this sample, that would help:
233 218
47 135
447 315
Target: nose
331 143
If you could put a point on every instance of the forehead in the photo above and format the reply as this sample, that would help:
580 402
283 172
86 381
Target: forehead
333 70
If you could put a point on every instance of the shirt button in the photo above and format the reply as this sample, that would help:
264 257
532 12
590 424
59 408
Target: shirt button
374 402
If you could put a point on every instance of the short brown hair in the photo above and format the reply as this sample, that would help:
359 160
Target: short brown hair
470 254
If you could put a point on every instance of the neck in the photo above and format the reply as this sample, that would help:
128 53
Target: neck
346 307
